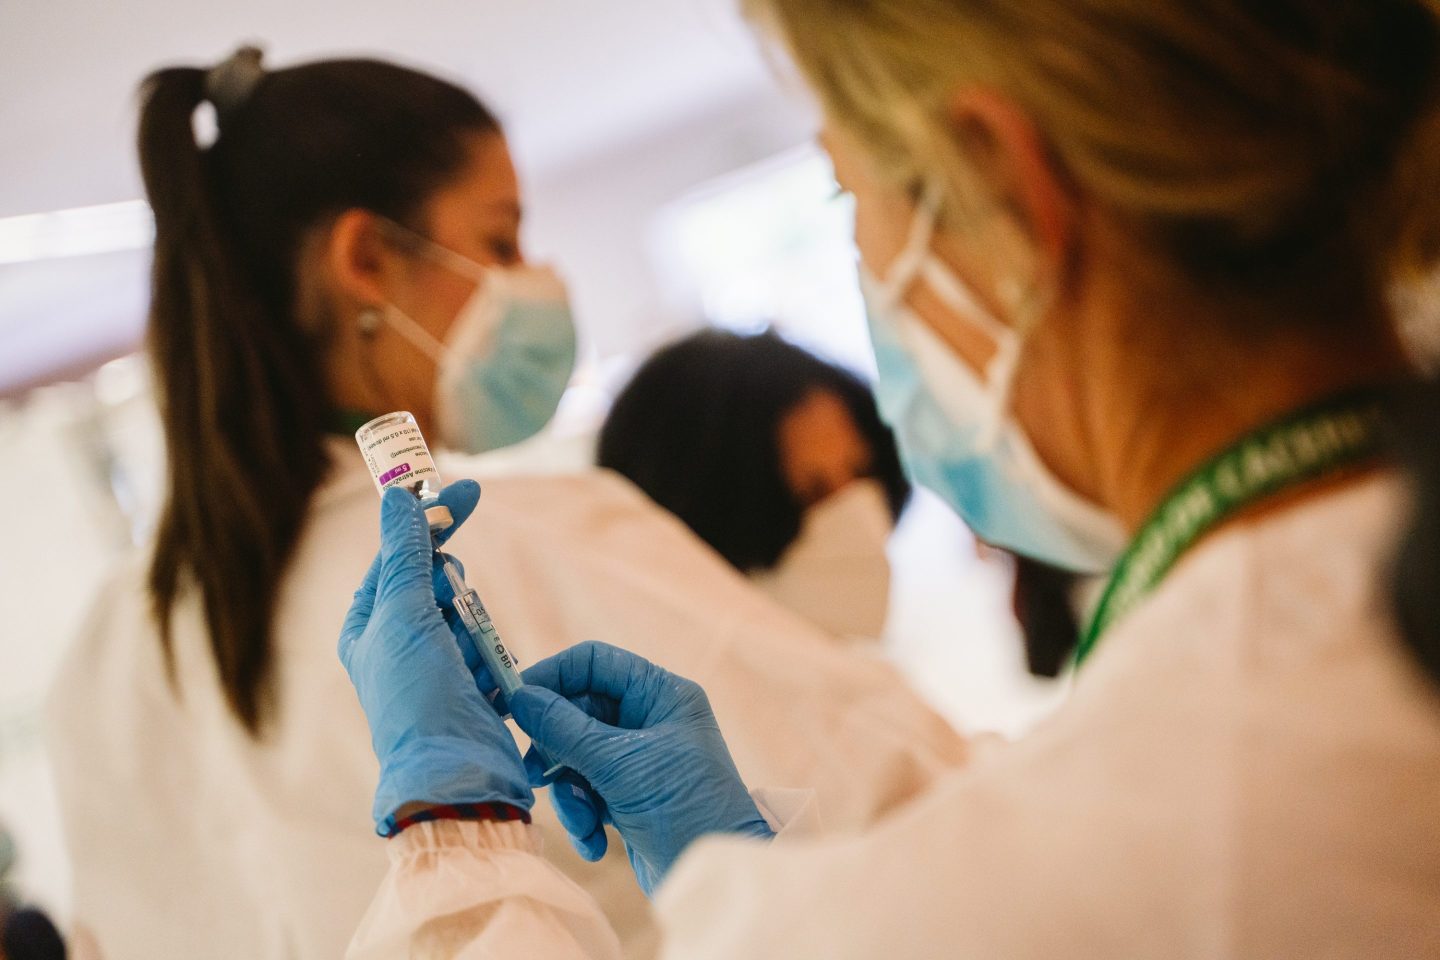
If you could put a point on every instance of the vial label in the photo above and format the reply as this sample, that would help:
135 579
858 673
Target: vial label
397 455
394 474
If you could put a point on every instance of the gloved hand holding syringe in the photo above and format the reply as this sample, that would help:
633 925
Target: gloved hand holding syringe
641 747
397 455
482 629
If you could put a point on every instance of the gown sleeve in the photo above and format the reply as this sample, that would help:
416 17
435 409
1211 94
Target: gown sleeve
465 890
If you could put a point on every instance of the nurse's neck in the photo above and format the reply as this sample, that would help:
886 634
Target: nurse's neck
1159 384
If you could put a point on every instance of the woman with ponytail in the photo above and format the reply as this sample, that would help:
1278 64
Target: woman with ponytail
186 700
348 245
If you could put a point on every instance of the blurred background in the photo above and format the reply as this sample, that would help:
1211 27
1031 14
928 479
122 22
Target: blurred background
669 172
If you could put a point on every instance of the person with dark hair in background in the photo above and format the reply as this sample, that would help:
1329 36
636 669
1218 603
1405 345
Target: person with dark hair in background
25 932
776 459
28 934
349 245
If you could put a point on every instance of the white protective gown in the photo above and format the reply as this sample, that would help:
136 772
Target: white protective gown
189 839
1249 768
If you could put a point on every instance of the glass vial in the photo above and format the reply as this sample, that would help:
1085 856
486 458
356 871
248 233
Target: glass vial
397 455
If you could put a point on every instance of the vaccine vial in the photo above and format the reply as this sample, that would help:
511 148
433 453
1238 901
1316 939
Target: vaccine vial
397 455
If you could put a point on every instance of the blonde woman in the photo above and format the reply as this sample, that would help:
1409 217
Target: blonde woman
1129 264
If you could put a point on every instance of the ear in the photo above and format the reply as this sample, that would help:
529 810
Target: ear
1008 151
357 258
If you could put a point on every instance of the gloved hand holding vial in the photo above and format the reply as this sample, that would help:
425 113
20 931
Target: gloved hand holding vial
397 455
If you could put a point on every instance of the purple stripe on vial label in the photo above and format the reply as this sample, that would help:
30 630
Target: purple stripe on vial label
389 475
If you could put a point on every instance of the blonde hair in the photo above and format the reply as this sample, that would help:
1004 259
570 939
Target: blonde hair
1247 142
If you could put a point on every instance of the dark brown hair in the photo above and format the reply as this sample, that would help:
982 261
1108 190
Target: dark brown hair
1416 571
239 373
697 429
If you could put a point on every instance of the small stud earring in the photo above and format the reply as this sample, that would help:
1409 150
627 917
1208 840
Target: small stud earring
369 321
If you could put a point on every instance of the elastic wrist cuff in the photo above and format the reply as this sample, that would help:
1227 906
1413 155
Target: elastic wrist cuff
390 826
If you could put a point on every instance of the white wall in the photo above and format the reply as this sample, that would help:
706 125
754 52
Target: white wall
595 217
61 318
569 76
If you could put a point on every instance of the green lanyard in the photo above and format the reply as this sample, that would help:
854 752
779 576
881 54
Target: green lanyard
1335 433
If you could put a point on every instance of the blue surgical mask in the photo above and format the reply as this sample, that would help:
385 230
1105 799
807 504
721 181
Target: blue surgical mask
507 358
954 430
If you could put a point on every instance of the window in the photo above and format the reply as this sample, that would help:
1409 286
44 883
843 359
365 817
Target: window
771 245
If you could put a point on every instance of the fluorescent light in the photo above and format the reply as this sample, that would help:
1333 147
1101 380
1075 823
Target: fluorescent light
106 228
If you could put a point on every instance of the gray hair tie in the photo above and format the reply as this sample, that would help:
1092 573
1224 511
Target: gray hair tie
229 84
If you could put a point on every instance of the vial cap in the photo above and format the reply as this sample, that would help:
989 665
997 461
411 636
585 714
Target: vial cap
439 517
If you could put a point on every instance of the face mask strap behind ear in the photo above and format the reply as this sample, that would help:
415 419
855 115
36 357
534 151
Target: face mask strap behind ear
441 254
999 373
1000 379
906 266
420 338
916 260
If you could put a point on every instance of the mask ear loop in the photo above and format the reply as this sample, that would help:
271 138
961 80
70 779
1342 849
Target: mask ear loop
1001 373
906 267
420 338
484 277
460 264
1027 307
958 297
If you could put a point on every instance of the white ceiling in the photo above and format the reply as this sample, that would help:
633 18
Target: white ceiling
570 77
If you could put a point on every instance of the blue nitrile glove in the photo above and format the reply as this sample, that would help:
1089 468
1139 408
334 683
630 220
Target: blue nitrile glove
646 742
437 739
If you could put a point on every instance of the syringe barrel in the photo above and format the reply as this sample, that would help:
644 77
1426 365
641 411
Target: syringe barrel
504 668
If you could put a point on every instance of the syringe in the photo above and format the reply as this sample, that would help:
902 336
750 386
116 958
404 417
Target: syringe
482 630
502 663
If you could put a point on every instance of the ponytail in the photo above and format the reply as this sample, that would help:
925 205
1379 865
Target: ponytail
241 378
243 405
